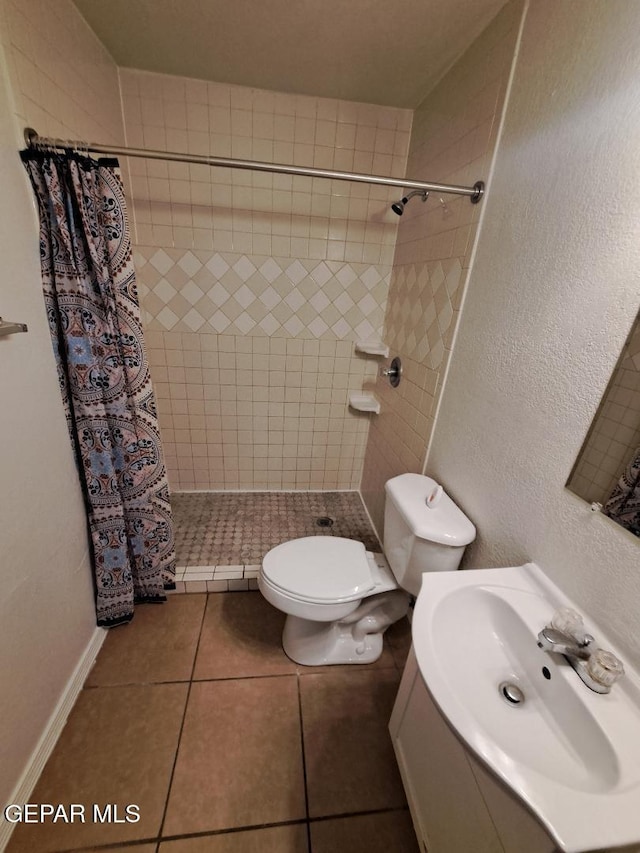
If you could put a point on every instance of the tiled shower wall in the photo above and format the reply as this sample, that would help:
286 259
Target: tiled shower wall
255 286
64 82
615 433
453 140
248 411
240 270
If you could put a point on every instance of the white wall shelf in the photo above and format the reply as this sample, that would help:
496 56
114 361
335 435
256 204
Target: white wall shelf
374 346
363 402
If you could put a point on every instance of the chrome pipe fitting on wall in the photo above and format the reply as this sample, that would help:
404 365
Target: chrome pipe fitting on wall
393 372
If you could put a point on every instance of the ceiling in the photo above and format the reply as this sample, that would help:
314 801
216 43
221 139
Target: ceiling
387 52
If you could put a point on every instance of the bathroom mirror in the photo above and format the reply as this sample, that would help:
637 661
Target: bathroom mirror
607 470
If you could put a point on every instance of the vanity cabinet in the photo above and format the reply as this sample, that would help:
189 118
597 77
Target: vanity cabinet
456 804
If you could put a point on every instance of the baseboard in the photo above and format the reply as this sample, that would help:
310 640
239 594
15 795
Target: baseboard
53 729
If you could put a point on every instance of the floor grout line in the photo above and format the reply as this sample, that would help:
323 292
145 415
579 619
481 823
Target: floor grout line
328 671
304 762
139 842
184 717
232 830
324 818
115 845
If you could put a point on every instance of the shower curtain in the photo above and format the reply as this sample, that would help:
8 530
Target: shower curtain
623 505
94 318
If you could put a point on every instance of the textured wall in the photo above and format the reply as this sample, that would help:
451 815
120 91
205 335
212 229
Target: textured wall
453 140
553 294
61 81
296 266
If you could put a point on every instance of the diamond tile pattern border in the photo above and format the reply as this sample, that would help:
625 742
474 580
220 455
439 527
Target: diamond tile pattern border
222 292
422 306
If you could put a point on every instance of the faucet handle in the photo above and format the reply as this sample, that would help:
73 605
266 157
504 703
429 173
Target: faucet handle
570 622
604 667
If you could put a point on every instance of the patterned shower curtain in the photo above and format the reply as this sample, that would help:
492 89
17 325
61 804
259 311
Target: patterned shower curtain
94 319
623 505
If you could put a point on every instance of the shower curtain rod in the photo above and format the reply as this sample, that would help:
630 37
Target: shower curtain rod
33 140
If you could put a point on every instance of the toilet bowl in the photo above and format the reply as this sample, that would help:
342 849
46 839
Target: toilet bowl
340 598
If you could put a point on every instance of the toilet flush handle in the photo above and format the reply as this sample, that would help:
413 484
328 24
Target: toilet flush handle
434 498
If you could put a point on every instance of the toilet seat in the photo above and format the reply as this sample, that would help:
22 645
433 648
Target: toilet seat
320 569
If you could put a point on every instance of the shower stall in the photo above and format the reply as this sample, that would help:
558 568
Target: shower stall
257 275
256 281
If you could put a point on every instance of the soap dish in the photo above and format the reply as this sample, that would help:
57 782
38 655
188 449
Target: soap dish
372 347
363 402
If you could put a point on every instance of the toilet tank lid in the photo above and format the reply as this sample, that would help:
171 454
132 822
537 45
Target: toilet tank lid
320 568
442 521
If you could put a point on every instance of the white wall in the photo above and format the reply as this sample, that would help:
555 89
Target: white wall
553 293
46 606
54 76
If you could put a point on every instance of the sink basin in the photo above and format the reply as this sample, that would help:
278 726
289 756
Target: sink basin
572 755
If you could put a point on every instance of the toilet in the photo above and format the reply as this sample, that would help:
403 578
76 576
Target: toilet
340 598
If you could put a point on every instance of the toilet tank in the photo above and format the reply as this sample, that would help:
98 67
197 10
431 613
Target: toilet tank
424 530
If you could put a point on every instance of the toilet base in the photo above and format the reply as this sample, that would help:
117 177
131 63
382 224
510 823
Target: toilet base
355 639
322 643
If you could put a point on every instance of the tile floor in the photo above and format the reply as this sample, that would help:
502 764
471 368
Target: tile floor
194 713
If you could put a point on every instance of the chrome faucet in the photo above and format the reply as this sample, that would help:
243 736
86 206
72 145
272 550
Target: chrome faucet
552 640
597 668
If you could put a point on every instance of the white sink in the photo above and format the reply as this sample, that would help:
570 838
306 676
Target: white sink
571 754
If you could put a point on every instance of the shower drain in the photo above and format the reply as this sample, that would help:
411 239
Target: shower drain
324 521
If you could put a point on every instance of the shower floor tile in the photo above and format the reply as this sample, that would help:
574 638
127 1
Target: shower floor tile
236 529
